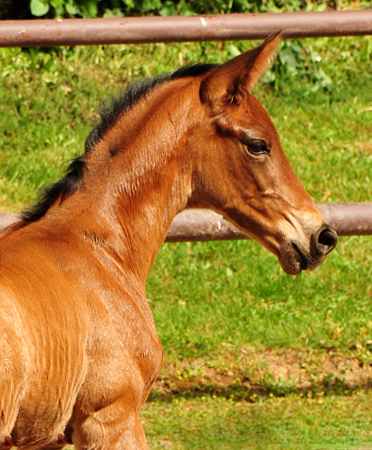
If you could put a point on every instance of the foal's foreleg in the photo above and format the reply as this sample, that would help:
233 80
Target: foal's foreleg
115 427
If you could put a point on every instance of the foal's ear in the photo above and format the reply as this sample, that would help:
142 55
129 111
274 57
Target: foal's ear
232 81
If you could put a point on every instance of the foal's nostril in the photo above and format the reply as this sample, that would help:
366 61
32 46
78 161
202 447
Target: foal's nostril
327 240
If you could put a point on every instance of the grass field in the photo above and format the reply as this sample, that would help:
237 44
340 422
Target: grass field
238 333
290 423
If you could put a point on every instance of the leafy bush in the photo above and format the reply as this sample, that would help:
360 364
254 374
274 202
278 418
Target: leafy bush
295 60
18 9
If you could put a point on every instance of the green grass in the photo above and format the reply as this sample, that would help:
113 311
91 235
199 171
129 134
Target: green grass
228 307
333 423
237 292
231 322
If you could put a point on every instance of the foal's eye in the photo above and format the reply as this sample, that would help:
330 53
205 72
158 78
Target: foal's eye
257 147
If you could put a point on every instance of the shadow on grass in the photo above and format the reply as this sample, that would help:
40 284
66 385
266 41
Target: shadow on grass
244 391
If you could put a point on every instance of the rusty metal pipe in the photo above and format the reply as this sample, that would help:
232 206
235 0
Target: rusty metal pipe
348 219
126 30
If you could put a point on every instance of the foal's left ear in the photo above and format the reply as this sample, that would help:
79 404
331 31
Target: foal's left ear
232 81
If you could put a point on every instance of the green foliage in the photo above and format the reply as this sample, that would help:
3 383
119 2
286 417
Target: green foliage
18 9
297 60
60 8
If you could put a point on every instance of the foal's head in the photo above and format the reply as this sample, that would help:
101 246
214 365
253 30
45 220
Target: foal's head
243 172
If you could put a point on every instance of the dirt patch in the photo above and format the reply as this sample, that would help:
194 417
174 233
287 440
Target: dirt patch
275 372
364 147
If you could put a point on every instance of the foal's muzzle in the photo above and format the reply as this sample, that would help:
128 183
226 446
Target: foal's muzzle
310 257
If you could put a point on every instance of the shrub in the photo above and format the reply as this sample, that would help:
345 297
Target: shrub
18 9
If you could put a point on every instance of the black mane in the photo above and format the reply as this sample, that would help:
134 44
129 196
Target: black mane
110 113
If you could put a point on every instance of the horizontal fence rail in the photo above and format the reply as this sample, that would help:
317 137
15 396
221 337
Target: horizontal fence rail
131 30
348 219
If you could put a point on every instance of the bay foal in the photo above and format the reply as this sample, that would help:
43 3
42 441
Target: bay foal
78 346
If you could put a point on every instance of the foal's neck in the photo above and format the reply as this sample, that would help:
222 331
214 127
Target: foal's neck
138 177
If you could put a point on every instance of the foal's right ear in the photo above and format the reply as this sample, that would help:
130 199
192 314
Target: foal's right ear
232 81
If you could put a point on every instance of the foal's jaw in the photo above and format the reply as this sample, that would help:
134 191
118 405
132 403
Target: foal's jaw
300 239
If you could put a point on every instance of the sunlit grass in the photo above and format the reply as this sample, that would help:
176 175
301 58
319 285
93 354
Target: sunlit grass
276 423
204 295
